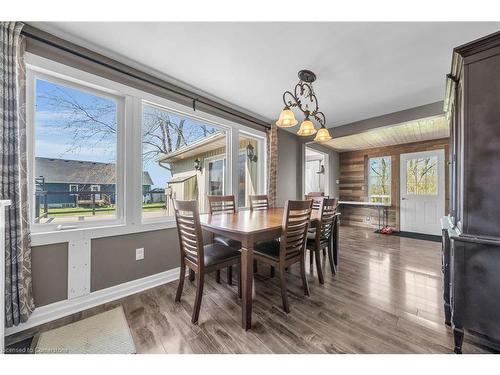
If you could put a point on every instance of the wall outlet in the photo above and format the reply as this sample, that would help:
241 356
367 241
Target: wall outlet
139 254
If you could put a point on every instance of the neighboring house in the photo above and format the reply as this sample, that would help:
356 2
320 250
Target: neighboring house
67 182
187 183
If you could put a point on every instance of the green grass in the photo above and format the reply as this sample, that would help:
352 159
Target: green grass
102 210
153 207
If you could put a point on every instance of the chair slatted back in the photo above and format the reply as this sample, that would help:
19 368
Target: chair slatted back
328 210
259 202
220 204
316 201
189 230
296 217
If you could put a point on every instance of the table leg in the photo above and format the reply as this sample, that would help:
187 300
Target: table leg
247 282
378 209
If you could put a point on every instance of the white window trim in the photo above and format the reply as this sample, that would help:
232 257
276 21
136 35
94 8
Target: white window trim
32 75
71 185
130 150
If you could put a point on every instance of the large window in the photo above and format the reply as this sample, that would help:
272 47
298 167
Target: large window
379 179
183 159
103 154
75 154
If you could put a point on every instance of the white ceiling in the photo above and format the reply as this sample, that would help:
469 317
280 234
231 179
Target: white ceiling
408 132
364 69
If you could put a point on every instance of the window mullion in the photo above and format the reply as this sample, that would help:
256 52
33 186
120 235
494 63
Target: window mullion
134 162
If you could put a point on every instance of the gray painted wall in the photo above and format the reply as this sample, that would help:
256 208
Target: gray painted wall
49 264
289 167
113 258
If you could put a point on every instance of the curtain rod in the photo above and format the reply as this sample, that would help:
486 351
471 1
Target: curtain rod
194 98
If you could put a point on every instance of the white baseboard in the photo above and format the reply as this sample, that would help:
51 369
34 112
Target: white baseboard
67 307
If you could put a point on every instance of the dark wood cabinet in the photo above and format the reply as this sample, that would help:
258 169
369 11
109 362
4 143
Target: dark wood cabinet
471 231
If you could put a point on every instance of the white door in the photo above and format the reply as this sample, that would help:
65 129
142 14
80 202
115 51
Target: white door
422 191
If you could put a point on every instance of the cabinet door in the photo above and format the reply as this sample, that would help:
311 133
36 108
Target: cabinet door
482 146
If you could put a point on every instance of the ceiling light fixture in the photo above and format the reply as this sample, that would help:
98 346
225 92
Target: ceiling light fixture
303 96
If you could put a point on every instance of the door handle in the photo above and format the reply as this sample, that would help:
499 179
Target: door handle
403 199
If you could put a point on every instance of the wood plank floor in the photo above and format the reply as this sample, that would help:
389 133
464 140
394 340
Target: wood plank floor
386 298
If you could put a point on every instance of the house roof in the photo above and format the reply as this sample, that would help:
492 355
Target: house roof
213 142
181 177
79 172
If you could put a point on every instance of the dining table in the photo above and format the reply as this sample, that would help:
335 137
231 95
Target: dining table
250 227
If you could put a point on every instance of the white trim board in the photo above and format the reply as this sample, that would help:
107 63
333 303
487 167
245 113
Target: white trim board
48 313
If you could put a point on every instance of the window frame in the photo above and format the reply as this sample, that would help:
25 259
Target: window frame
129 152
34 73
369 179
171 107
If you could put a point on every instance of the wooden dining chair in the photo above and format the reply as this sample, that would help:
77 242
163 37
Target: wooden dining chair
198 258
314 194
322 238
316 200
223 204
291 246
259 202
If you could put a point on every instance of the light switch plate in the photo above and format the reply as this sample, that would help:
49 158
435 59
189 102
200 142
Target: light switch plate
139 254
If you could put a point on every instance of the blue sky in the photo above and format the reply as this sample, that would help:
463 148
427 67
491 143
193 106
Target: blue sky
63 131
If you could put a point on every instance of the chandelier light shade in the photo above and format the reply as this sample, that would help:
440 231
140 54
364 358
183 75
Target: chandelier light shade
304 98
323 135
287 118
306 128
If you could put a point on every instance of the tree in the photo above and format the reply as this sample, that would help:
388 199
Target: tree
421 176
381 169
91 120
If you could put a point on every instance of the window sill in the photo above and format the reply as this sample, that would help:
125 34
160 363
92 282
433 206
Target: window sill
57 236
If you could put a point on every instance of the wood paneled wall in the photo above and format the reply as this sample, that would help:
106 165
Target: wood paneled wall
354 180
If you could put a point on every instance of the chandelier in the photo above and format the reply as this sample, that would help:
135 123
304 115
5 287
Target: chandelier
304 98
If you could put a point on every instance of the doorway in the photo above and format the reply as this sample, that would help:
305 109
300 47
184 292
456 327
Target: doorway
315 171
422 191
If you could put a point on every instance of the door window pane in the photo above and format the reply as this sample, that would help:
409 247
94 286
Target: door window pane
183 159
379 179
75 150
216 177
422 176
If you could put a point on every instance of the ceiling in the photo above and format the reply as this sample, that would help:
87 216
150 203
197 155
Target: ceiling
363 69
414 131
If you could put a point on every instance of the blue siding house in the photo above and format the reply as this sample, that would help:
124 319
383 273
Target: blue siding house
66 183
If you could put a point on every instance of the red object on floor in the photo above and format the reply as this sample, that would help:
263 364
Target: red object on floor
386 230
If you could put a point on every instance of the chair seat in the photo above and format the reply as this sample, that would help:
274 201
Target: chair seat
270 249
228 242
218 253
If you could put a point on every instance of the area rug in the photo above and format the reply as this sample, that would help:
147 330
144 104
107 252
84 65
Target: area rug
419 236
105 333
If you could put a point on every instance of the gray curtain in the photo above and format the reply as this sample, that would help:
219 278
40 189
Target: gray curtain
13 184
272 163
